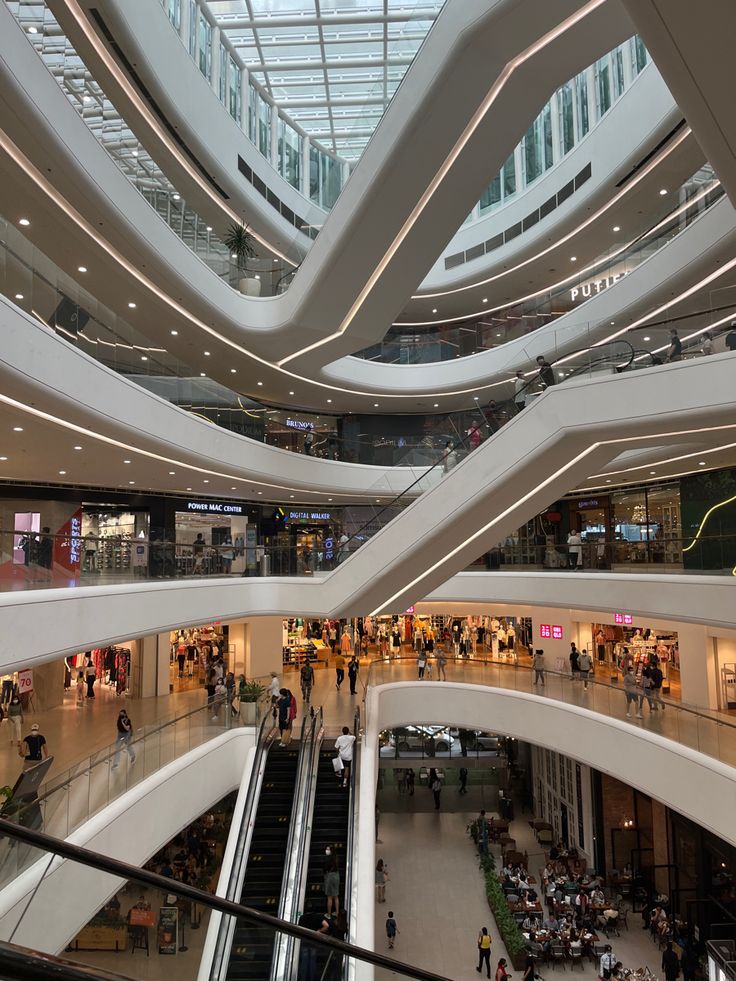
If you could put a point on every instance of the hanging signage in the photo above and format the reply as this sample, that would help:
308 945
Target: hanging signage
586 290
302 424
214 507
550 631
625 618
25 681
308 517
589 502
67 546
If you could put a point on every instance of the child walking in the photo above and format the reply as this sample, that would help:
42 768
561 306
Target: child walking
391 929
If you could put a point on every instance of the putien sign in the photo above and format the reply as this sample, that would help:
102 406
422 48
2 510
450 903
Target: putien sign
585 290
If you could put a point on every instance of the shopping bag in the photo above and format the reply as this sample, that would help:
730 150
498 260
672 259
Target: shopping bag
337 764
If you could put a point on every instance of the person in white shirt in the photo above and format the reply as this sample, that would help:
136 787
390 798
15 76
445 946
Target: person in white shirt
274 688
519 391
344 749
607 964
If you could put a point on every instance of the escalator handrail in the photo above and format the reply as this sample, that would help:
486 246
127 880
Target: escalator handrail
123 870
22 964
223 944
304 786
350 844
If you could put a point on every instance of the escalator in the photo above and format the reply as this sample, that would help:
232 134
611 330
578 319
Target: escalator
329 828
252 946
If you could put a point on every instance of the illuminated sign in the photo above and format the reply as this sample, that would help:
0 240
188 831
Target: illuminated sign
214 507
410 610
590 502
329 548
75 542
625 618
586 290
299 424
550 631
309 516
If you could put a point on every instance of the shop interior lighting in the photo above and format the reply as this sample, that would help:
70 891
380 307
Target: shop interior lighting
81 269
19 296
24 222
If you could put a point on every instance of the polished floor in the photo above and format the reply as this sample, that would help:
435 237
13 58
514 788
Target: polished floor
435 890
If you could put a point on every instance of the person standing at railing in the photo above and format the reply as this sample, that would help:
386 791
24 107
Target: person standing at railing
538 666
674 351
631 692
441 664
657 679
585 663
124 739
707 345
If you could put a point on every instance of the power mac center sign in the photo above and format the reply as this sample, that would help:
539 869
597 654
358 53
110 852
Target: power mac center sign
213 507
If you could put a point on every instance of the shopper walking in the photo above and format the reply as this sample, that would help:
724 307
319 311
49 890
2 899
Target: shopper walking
381 876
33 747
15 717
538 666
441 664
585 664
631 692
484 951
353 668
463 774
436 788
344 745
306 677
391 929
574 661
339 669
287 713
124 739
501 973
421 664
90 674
410 778
670 963
655 673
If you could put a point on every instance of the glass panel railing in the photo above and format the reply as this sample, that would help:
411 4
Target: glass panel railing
152 911
705 730
494 327
69 798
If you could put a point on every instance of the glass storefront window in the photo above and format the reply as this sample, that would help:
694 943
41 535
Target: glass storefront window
492 194
581 91
646 522
173 9
532 153
223 73
619 83
205 47
640 55
603 85
567 126
264 125
509 177
234 80
290 148
547 136
192 28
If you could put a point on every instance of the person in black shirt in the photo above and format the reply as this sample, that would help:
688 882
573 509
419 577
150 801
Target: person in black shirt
670 963
546 373
35 747
674 351
731 337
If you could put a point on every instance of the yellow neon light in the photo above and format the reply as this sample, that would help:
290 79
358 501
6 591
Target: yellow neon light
708 513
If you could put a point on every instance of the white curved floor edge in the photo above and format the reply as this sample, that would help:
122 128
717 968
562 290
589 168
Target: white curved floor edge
131 829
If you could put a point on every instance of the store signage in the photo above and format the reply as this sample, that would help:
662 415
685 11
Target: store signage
299 424
410 611
75 541
329 548
625 618
590 502
586 290
307 516
25 681
550 631
214 507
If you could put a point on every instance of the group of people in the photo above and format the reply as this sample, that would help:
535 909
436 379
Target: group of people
645 686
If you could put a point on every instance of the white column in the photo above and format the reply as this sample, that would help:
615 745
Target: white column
150 670
184 23
697 665
555 649
263 646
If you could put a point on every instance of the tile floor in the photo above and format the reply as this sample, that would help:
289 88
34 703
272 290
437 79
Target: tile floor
436 890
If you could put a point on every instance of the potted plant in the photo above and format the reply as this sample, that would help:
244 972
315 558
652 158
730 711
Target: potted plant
239 243
250 694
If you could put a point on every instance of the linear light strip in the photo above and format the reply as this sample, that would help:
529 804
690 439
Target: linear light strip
535 490
149 454
644 172
444 169
75 11
708 513
662 463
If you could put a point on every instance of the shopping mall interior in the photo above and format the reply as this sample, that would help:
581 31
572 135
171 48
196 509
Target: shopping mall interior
367 490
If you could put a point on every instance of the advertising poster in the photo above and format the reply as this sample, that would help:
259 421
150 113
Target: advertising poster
168 928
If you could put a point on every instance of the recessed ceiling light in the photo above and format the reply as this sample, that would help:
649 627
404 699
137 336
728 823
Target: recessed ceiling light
613 323
275 259
375 405
189 488
646 338
3 458
62 472
127 461
652 471
19 296
81 269
663 191
573 258
608 481
434 309
33 30
485 299
291 393
378 500
206 354
233 371
702 463
202 374
260 492
260 384
205 481
17 429
176 197
329 401
209 228
77 447
24 222
476 399
257 276
144 357
498 335
329 498
290 495
132 306
436 405
131 481
172 473
175 333
233 255
617 228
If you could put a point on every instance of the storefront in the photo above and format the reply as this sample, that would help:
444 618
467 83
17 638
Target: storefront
214 537
302 432
613 643
646 526
192 649
115 540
